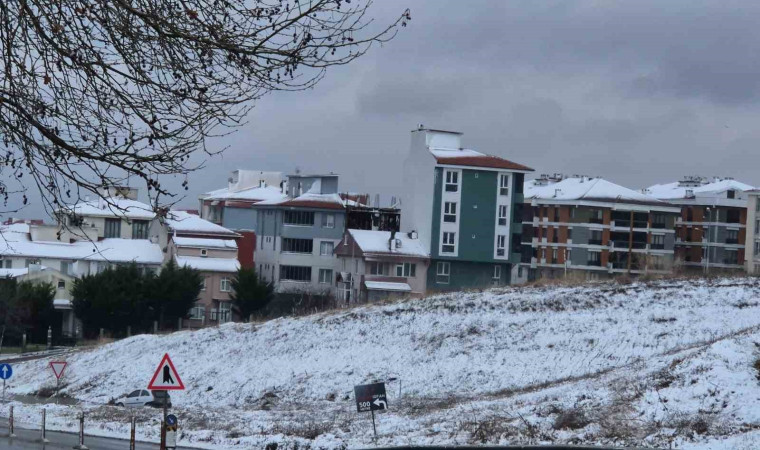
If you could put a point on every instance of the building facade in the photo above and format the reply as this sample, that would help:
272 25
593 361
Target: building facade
462 203
752 238
712 228
377 265
594 228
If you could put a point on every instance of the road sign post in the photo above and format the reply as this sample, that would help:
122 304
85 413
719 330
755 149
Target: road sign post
371 397
10 424
132 433
58 368
43 437
166 378
81 445
6 371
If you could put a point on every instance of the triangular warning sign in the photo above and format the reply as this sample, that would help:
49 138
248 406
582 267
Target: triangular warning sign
166 377
58 368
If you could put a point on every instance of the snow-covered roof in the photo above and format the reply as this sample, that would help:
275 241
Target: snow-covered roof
472 158
204 243
140 251
678 190
255 194
209 264
184 222
62 303
113 207
585 188
387 286
311 200
376 242
13 273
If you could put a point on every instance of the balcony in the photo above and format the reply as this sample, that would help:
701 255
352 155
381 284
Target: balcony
596 263
596 220
657 246
657 225
594 242
732 241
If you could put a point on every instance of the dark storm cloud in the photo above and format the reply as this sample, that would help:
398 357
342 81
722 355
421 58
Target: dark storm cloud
637 91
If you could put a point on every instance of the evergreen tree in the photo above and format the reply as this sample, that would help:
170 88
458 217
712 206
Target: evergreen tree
175 291
249 293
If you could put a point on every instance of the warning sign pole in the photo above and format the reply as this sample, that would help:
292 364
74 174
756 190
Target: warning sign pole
163 423
373 424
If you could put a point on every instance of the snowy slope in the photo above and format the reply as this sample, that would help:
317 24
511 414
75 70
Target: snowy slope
462 360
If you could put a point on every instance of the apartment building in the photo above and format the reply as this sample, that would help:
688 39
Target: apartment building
591 226
711 230
462 204
376 265
752 239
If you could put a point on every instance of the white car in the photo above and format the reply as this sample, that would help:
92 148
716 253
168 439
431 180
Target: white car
142 397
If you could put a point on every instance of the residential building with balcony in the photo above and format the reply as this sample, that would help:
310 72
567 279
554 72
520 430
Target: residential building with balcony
376 265
463 205
752 239
711 230
594 227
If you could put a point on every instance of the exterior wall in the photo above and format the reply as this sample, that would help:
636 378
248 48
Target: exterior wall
752 235
239 218
246 249
358 266
467 275
209 299
210 252
702 237
419 187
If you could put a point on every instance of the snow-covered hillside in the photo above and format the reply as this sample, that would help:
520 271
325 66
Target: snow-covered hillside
657 364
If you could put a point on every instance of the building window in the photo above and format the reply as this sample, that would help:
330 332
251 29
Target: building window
442 272
225 312
328 220
496 275
452 181
502 215
61 284
8 263
140 229
597 216
658 220
731 256
377 268
503 184
731 193
594 258
303 218
291 245
554 256
326 248
658 241
325 276
757 224
732 236
406 270
448 242
203 284
197 312
112 228
295 273
66 267
450 212
501 245
757 248
204 252
225 285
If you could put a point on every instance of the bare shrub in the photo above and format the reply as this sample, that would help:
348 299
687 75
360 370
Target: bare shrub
573 418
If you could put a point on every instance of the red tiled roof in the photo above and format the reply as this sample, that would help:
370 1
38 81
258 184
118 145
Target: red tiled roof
483 161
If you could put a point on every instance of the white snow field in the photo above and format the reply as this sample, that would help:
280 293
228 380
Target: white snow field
667 364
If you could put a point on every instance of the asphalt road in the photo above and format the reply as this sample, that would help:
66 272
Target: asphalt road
29 440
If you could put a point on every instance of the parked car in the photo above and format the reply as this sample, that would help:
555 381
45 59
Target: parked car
142 397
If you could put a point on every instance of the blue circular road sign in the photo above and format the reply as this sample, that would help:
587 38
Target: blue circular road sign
171 420
6 371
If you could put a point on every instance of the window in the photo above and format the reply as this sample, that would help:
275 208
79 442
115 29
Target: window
450 212
658 241
732 236
328 220
442 272
757 248
448 242
501 245
326 248
112 228
406 270
225 285
295 273
597 216
197 312
554 256
303 218
452 181
658 220
66 267
8 263
225 312
731 193
594 258
203 284
595 237
757 224
503 184
204 252
496 275
291 245
502 214
325 276
140 229
377 268
61 284
731 256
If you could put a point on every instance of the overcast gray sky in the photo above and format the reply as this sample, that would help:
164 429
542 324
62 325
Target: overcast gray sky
638 91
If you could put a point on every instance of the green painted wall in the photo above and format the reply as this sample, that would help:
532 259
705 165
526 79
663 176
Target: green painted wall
467 275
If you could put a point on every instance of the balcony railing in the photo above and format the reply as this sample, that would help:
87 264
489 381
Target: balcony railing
595 242
657 246
596 220
657 225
